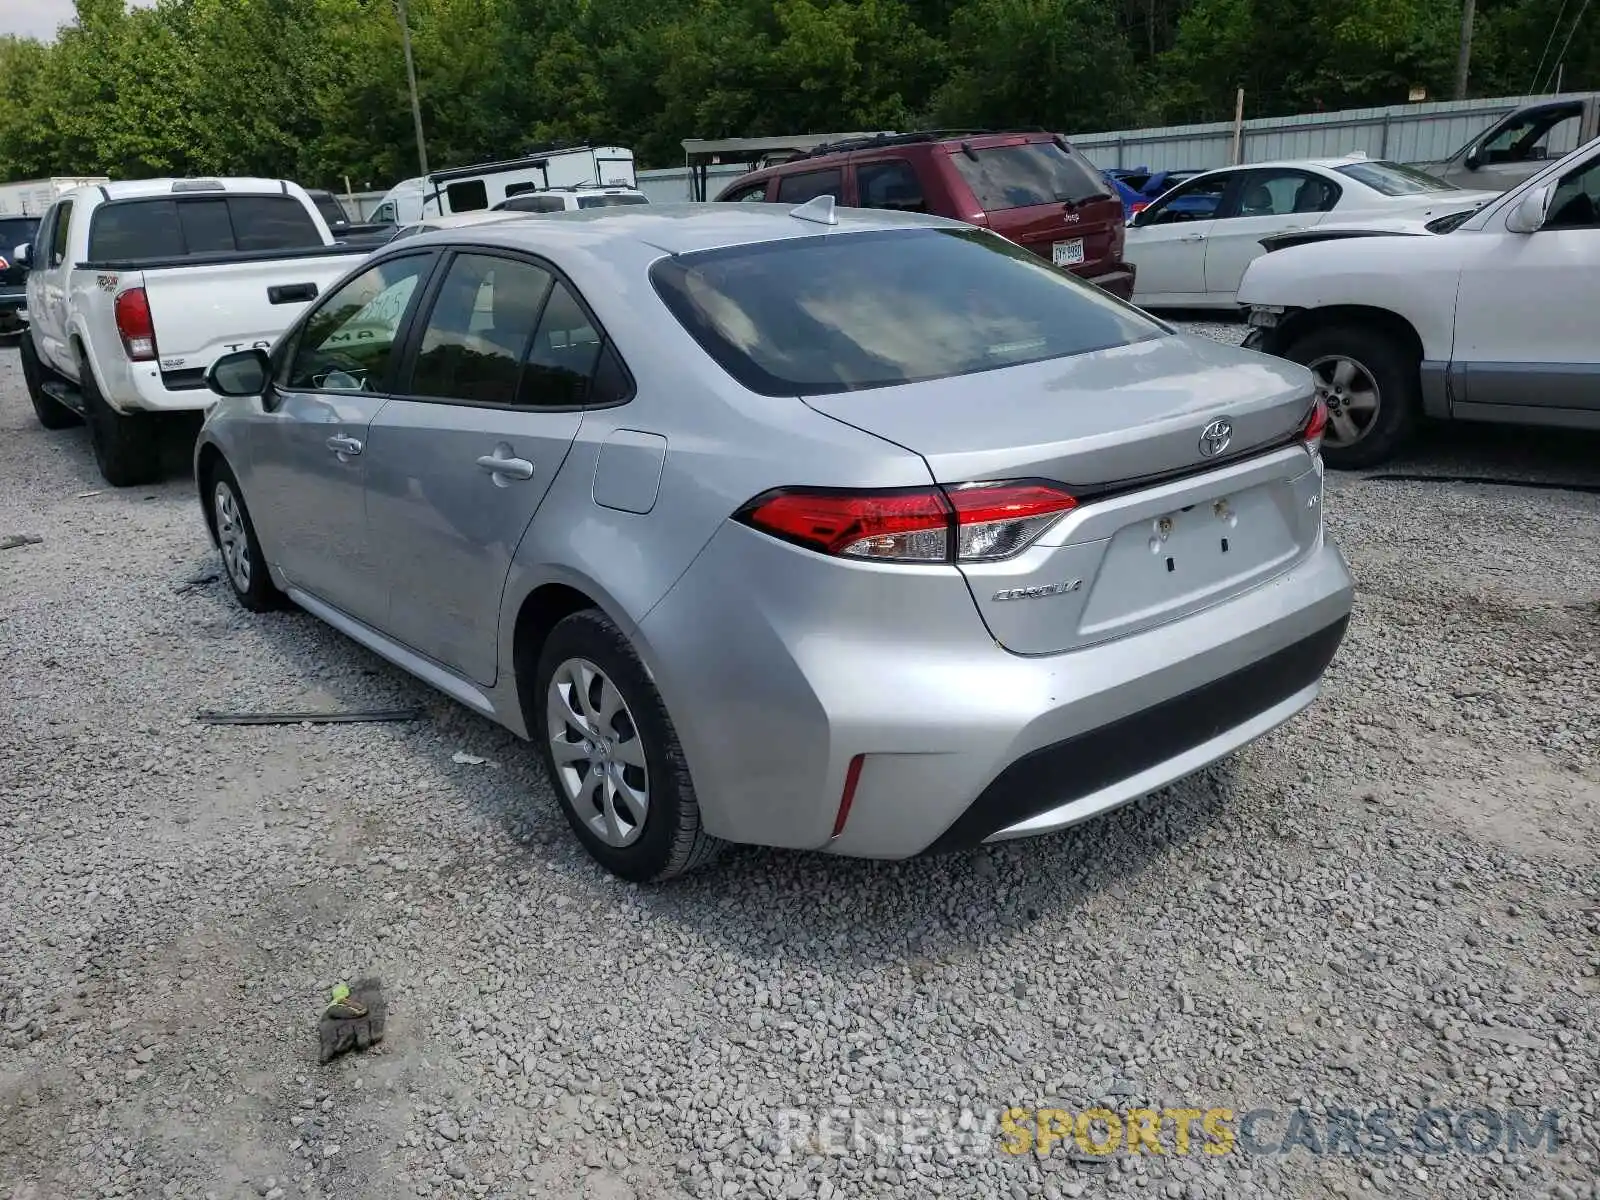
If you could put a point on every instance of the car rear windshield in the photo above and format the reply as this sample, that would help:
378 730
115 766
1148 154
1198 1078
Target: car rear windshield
170 228
1392 179
609 201
1004 177
846 312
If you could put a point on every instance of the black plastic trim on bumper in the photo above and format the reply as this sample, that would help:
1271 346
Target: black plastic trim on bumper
1080 766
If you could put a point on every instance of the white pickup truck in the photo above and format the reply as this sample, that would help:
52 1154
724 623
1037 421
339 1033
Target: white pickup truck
135 289
1486 316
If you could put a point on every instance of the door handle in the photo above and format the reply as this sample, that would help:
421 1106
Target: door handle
510 468
344 445
1193 237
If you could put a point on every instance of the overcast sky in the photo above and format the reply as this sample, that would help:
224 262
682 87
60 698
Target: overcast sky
39 18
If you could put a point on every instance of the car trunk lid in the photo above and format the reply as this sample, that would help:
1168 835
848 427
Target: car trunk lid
1164 526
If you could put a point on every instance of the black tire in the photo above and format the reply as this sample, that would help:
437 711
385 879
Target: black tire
127 447
258 593
52 413
671 840
1395 369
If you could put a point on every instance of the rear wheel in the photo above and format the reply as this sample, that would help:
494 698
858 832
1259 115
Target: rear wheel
127 447
1370 381
612 754
51 412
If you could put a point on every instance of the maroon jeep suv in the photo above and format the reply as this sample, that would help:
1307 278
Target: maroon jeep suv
1033 188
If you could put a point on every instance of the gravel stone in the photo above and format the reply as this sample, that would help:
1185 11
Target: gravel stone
1391 901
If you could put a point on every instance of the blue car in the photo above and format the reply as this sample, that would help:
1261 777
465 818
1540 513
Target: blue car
1125 182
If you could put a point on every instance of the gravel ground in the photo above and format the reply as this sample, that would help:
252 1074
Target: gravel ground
1391 903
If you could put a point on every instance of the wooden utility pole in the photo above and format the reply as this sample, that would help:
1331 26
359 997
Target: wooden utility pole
1464 55
410 77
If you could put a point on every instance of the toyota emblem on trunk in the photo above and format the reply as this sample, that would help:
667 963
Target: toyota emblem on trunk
1214 438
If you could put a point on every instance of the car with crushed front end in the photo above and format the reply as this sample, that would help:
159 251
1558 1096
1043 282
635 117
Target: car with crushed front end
852 531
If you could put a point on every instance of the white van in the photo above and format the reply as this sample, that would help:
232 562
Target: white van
475 188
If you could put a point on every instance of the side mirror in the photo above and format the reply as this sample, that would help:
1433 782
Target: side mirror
242 373
1529 212
1473 160
21 254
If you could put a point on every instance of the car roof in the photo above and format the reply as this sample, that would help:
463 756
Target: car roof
196 186
678 228
898 144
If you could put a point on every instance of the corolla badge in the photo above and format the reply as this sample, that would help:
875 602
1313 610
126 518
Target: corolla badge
1214 438
1034 593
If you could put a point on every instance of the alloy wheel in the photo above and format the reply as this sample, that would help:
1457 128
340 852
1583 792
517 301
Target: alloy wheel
598 755
1351 395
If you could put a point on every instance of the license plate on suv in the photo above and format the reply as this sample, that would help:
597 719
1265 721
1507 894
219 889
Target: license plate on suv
1067 254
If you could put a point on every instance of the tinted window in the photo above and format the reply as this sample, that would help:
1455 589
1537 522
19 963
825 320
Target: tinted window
478 330
1197 200
890 185
609 201
58 237
1019 176
1535 136
271 223
136 229
205 227
1576 202
468 196
797 189
345 345
564 355
1284 193
1392 179
168 228
331 210
535 204
838 313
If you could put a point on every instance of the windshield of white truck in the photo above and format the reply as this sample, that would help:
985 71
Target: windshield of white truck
169 227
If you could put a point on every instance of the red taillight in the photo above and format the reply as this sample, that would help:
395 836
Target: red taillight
5 263
966 523
134 323
1138 206
1315 425
852 777
996 520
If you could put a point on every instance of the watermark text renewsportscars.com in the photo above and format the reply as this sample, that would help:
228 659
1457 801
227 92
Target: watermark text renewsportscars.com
889 1133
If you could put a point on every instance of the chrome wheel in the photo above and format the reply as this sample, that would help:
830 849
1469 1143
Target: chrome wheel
1351 395
598 756
231 535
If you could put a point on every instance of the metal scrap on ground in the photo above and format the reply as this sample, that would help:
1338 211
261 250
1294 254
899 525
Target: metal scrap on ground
310 718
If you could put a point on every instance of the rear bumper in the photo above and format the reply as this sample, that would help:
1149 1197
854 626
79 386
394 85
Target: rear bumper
1119 282
779 669
141 387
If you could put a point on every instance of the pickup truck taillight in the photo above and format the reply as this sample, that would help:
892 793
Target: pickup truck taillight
138 331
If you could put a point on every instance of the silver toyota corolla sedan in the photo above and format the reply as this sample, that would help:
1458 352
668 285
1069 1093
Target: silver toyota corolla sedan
854 531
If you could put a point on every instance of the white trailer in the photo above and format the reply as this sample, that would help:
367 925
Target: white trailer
483 185
32 197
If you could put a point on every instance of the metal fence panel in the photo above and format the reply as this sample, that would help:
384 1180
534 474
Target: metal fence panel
1421 132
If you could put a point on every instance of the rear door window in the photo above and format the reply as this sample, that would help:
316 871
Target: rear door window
1003 177
755 193
797 189
480 326
58 234
892 184
1270 193
846 312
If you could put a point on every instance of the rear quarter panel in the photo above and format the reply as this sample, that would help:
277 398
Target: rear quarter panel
724 447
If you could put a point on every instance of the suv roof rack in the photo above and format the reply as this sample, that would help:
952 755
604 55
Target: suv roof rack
874 141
